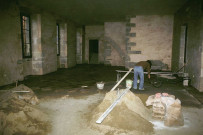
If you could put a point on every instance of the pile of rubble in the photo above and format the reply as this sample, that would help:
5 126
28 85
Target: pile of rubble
165 107
19 114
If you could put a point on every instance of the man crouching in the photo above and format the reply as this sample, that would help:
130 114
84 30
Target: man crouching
139 70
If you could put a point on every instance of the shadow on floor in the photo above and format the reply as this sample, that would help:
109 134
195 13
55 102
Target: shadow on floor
81 80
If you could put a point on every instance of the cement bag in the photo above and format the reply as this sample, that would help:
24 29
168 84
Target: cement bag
158 106
158 110
168 101
150 100
158 116
174 116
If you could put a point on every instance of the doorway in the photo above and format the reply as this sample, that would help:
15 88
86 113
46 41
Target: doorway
93 51
183 46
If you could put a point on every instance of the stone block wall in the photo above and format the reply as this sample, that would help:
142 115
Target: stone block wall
43 38
71 44
140 38
48 39
36 35
91 33
44 59
11 63
149 37
63 63
200 88
115 43
79 46
191 15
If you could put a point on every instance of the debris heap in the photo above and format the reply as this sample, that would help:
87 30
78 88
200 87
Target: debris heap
130 116
166 107
19 115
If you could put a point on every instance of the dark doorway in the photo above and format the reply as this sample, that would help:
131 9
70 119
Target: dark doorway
93 51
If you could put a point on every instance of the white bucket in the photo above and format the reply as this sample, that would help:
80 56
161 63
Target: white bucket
129 83
185 81
100 85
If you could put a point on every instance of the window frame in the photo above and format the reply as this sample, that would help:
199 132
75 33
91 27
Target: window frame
185 46
22 37
58 51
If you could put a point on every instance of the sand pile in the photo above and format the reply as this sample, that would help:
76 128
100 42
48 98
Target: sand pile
19 115
130 116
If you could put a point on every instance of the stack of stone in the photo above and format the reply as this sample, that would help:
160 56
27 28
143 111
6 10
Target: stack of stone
165 107
174 116
158 108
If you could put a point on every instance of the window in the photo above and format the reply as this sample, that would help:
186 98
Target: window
26 36
58 39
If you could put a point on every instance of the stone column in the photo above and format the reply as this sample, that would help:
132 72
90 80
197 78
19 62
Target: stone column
182 46
37 58
63 46
201 41
79 46
83 44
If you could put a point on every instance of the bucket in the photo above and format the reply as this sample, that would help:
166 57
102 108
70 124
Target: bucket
100 85
186 81
129 83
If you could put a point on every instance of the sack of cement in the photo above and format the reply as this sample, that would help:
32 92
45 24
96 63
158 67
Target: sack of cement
158 116
158 97
158 110
174 116
167 101
150 100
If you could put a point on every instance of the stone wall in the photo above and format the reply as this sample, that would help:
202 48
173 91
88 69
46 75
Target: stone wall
37 56
48 27
79 46
190 14
115 45
43 39
63 46
11 63
71 44
142 38
44 59
149 37
201 44
91 33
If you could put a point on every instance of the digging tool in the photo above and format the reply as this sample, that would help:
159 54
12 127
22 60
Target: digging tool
122 79
21 91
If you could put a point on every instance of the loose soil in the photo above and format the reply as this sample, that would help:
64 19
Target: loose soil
129 116
20 115
67 108
76 116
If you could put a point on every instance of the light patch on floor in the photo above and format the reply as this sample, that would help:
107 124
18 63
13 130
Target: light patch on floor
193 124
66 115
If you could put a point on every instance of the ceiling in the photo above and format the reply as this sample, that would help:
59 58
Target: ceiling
92 12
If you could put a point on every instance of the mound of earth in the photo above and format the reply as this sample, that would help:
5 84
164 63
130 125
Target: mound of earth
19 115
130 116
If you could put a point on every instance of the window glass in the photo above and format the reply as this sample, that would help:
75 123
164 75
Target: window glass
26 36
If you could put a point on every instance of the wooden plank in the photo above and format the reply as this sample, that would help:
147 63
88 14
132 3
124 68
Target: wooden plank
122 79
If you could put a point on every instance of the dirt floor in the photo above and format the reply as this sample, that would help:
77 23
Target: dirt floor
69 98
